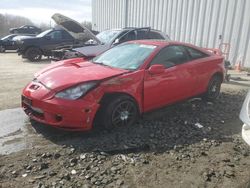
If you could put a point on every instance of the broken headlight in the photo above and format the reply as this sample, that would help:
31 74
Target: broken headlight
76 92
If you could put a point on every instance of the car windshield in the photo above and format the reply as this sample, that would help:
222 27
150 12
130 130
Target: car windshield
107 36
126 56
44 33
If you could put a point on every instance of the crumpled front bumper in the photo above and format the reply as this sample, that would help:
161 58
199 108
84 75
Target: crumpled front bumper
245 117
39 104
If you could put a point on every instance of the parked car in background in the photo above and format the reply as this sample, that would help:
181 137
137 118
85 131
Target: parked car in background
33 48
114 88
94 45
26 29
7 43
245 118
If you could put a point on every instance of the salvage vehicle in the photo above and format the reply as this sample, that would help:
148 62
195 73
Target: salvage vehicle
7 43
114 88
95 45
26 29
245 118
33 48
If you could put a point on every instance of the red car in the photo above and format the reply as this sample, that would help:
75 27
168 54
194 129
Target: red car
122 83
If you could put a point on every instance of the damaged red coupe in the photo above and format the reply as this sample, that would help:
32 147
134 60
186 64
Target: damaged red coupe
117 86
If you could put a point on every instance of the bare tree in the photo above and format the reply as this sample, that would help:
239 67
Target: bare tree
8 21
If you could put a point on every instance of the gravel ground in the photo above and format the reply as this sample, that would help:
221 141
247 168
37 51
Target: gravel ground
190 144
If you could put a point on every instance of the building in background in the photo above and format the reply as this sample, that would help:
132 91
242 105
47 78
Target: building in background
205 23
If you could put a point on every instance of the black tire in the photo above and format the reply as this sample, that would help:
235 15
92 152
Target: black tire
2 49
33 54
119 111
213 89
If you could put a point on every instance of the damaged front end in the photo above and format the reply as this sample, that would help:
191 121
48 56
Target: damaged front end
245 118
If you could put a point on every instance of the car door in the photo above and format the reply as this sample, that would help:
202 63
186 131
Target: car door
175 83
55 40
202 67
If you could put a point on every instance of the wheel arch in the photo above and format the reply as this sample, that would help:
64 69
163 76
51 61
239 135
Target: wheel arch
219 74
32 46
109 96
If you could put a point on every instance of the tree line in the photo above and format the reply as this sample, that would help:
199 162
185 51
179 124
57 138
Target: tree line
8 21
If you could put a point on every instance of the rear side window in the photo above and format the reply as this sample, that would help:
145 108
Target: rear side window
195 54
55 35
154 35
141 34
171 56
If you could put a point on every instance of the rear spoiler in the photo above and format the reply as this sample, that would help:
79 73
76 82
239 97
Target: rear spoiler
215 51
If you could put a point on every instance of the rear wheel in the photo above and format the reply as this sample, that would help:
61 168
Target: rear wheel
213 90
33 54
120 111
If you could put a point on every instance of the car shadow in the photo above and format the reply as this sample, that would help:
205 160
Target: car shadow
181 124
42 61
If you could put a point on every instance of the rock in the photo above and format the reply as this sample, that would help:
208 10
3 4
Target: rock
93 180
119 182
229 173
104 181
31 181
88 176
52 173
66 176
57 155
73 161
73 172
198 125
83 156
29 167
44 166
24 175
72 150
39 177
113 169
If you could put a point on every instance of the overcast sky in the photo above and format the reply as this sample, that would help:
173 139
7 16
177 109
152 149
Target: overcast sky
41 10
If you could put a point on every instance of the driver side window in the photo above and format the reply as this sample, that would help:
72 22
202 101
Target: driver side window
170 56
55 35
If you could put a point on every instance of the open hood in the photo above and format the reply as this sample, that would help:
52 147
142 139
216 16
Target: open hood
77 30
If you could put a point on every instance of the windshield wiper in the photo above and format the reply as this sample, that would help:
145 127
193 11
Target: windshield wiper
101 63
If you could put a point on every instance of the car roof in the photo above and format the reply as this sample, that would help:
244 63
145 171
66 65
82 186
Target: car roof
163 43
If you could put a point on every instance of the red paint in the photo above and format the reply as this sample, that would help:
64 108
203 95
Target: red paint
150 91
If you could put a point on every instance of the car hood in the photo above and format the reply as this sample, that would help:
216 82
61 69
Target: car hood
23 37
92 51
77 30
65 74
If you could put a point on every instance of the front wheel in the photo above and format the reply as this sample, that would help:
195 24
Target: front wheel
33 54
120 111
213 90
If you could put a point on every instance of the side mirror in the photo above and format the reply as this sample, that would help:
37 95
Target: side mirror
156 69
117 41
47 37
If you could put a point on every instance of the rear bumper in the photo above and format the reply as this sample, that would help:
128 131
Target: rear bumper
245 118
